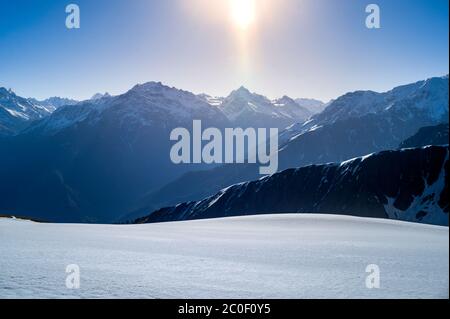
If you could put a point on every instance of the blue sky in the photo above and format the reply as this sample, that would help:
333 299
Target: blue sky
302 48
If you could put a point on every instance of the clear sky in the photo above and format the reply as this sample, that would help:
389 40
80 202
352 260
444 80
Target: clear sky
302 48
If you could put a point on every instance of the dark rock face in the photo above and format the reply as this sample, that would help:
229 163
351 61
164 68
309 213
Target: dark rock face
406 185
431 135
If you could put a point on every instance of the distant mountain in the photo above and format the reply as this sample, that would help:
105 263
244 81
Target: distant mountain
212 100
409 185
431 135
312 105
99 96
17 112
91 161
291 109
427 99
246 109
54 103
353 125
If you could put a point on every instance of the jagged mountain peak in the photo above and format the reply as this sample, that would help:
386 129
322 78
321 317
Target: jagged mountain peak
17 112
5 91
426 100
242 90
312 105
248 109
286 99
99 96
242 93
151 85
151 104
158 90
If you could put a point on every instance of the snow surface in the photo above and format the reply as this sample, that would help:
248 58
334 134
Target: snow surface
275 256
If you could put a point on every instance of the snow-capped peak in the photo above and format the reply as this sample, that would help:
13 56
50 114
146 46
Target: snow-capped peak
291 109
285 100
165 97
312 105
426 100
215 101
20 109
250 109
242 92
148 104
149 86
99 96
4 91
241 105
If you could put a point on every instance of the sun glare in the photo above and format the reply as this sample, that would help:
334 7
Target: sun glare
243 13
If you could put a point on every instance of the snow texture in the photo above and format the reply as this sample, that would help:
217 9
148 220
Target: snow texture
275 256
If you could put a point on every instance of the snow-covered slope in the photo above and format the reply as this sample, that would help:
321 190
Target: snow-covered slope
212 100
99 96
251 110
246 109
312 105
291 109
283 256
365 122
408 185
17 112
427 101
55 102
146 104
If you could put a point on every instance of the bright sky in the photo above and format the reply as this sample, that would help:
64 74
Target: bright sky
302 48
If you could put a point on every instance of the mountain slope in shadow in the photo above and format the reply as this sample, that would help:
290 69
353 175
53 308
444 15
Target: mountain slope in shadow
409 185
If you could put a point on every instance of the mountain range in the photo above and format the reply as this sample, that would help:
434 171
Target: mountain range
241 107
353 125
94 160
90 161
107 159
16 112
246 109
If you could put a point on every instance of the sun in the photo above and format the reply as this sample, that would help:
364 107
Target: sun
243 13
